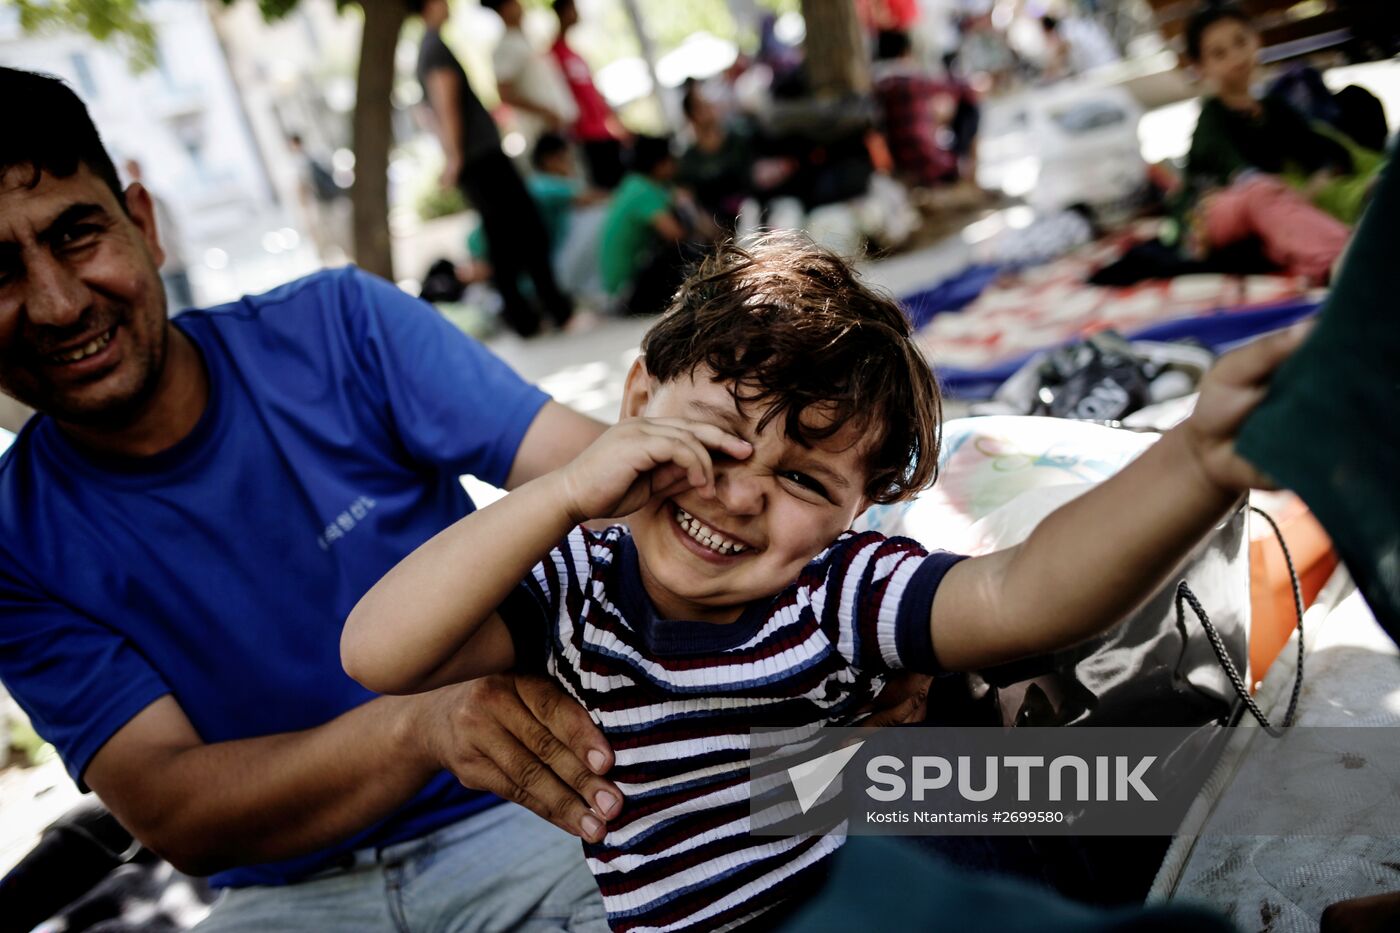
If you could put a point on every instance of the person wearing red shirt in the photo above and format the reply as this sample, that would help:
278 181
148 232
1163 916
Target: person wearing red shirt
596 130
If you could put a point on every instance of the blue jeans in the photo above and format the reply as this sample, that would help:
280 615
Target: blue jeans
502 869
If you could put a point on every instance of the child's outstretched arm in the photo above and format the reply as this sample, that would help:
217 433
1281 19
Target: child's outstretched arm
432 619
1094 559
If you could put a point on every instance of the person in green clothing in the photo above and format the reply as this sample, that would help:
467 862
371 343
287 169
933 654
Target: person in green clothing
1238 133
642 258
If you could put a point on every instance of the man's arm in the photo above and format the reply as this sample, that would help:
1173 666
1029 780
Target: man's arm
1096 558
209 807
443 99
668 227
557 435
511 95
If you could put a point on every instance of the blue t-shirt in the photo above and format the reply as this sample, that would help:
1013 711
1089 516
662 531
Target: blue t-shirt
220 571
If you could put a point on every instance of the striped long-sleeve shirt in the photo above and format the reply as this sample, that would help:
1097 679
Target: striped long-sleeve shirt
676 699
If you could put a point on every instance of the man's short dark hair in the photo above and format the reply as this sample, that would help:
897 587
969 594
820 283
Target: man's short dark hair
1206 17
47 129
791 327
891 44
650 151
547 147
415 7
561 5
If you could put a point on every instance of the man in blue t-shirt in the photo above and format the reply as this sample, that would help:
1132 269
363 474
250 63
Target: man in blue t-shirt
187 521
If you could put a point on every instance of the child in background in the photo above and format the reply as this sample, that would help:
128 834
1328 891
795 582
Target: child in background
641 257
1258 170
775 401
1238 132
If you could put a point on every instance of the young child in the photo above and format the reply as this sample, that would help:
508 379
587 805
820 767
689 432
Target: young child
775 400
639 258
1258 171
1237 132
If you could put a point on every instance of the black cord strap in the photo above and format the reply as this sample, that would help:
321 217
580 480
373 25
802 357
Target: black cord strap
1185 597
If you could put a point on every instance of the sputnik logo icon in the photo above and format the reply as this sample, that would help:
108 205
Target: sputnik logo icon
811 778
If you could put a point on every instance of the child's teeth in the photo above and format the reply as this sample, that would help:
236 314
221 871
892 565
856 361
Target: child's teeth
693 527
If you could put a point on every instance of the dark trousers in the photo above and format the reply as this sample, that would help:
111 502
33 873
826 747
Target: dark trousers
604 160
518 241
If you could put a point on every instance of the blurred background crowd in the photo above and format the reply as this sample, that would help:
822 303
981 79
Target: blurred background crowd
882 124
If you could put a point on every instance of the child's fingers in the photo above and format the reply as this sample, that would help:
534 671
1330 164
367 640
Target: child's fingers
682 448
712 436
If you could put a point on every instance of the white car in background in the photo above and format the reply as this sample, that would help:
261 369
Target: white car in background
1061 145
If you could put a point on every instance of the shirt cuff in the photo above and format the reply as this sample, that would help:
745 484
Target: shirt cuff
913 638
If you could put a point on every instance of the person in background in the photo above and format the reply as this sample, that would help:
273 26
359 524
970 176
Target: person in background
1257 169
919 114
476 164
1075 45
597 130
723 166
558 194
1237 132
642 258
528 80
717 168
174 272
325 204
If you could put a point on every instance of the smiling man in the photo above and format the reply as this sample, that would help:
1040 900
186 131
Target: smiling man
184 525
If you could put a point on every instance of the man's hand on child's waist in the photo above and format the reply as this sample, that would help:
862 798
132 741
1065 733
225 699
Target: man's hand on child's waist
524 739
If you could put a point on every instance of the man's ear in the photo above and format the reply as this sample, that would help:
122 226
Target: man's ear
638 389
142 211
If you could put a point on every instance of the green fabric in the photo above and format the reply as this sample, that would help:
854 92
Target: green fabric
627 231
1326 429
554 196
881 884
1345 197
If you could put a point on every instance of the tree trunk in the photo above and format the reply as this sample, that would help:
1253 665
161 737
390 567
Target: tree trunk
838 62
373 134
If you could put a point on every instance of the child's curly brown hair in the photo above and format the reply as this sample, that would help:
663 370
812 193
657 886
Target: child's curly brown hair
790 326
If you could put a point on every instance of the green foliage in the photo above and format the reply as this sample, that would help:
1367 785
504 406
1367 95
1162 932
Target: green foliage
104 20
670 23
434 202
273 10
22 738
120 21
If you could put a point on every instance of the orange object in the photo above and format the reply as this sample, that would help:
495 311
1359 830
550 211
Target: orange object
1272 613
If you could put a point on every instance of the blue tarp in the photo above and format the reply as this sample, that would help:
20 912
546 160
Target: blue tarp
952 294
1217 330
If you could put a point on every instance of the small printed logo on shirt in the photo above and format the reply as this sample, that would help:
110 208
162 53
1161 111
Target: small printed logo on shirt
345 522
